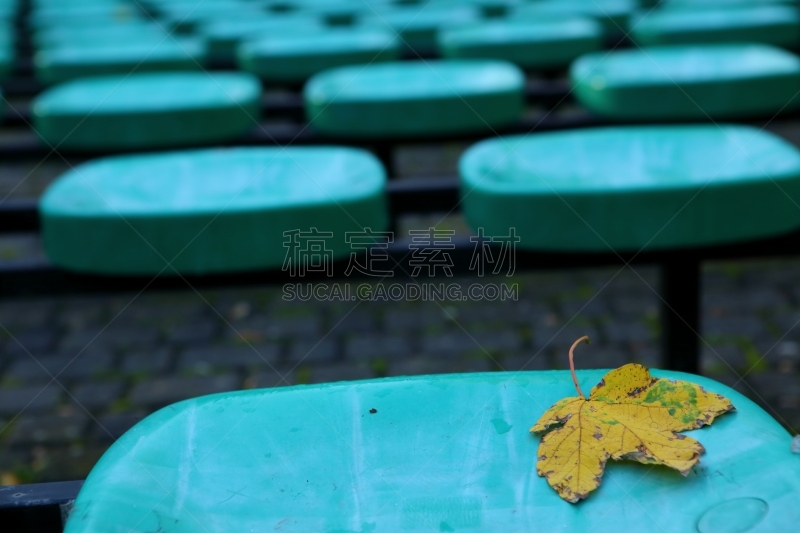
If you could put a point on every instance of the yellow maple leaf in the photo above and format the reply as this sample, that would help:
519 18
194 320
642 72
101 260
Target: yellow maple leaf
628 415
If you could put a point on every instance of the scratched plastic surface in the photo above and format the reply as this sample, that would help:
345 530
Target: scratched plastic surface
441 453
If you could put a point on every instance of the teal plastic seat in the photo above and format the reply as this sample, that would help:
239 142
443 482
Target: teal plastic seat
7 54
65 15
210 210
633 188
688 82
154 110
421 454
184 18
225 35
530 44
692 4
771 24
415 98
295 58
612 14
418 25
88 35
149 54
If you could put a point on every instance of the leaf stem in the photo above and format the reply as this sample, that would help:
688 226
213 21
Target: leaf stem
585 339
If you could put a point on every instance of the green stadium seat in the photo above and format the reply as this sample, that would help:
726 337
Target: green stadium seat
335 12
165 53
688 82
88 35
7 52
694 4
225 35
415 98
295 58
528 43
771 24
153 110
613 14
421 454
55 16
418 25
633 187
183 18
210 210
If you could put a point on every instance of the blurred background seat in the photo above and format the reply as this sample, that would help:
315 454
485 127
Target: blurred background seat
531 44
688 82
633 188
140 111
771 24
208 211
415 98
293 58
149 53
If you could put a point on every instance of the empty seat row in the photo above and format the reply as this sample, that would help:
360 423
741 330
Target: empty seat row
290 48
227 210
400 99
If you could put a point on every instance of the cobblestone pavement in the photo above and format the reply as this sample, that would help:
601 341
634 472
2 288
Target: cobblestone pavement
119 358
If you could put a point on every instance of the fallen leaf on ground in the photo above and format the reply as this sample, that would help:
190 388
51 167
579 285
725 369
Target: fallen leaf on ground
628 415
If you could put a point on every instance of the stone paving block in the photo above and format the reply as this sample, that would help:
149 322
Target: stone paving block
449 345
598 357
771 385
403 320
476 315
95 339
527 361
788 325
722 358
48 429
35 342
333 373
626 332
560 339
35 399
311 352
150 362
195 333
586 307
633 306
27 314
419 366
97 396
735 326
647 356
355 322
277 328
64 368
164 391
80 314
113 426
377 346
205 360
459 343
743 301
266 380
